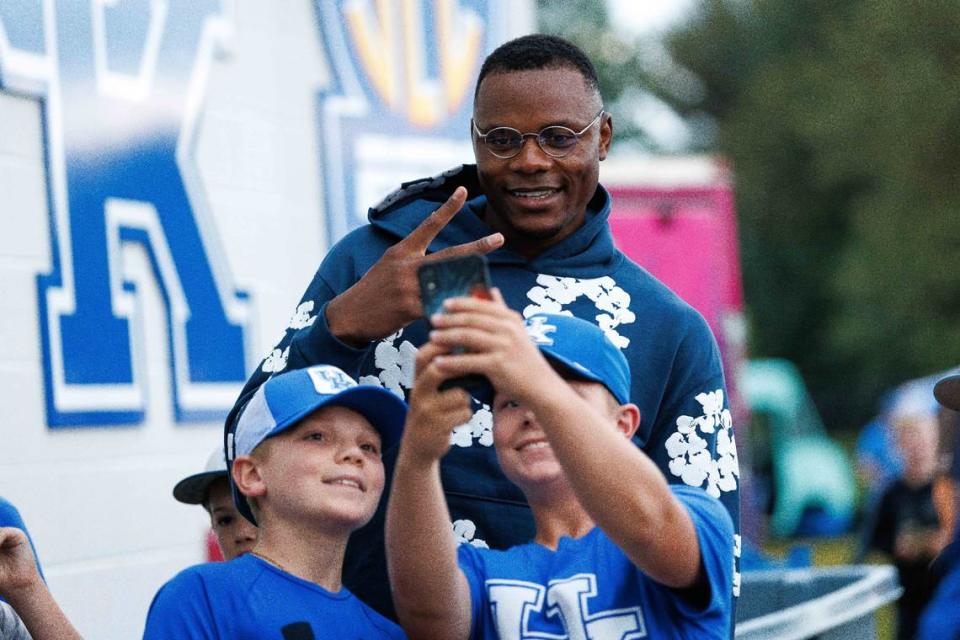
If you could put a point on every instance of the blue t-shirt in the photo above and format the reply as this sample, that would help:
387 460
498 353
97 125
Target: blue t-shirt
252 599
588 588
939 620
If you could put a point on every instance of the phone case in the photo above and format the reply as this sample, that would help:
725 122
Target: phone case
454 278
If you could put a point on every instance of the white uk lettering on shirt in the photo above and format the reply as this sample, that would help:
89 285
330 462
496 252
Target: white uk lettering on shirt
515 604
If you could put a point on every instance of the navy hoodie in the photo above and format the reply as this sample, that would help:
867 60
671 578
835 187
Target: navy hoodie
677 379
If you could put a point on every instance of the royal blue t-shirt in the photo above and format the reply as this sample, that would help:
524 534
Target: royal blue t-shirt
588 588
248 598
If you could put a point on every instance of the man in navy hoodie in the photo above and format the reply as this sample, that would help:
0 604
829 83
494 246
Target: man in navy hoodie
533 205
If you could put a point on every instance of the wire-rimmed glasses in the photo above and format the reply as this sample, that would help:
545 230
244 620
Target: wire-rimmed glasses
556 140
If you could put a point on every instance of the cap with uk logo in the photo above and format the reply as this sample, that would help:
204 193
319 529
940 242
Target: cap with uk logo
283 400
583 349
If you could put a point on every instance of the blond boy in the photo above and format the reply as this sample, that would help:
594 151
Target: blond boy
618 553
305 461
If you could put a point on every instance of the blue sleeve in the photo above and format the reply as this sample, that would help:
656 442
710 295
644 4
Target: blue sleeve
693 440
472 566
714 531
181 610
939 620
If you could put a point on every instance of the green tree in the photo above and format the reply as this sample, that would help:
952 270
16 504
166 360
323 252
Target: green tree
618 59
842 120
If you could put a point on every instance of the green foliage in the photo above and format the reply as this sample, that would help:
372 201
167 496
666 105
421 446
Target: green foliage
842 121
618 59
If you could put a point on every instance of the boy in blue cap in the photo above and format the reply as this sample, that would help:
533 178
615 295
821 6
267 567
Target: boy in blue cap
305 465
618 553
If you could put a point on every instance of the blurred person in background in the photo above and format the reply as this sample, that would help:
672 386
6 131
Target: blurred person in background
877 456
910 526
211 489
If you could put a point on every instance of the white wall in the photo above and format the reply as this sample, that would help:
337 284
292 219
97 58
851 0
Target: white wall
97 499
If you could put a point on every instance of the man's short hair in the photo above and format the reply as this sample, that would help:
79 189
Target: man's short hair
538 51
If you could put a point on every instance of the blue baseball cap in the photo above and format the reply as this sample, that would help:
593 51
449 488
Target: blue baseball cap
583 349
283 400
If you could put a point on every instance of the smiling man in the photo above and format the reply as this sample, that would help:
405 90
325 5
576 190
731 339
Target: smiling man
533 204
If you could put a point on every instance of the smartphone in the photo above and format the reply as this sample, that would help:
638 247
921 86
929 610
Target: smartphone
456 278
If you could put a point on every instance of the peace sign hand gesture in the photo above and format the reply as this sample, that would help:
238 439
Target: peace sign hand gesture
387 297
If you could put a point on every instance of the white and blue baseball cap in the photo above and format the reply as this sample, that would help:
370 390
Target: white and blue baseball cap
283 400
583 349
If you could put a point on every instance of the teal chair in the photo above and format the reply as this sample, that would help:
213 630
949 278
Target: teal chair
811 476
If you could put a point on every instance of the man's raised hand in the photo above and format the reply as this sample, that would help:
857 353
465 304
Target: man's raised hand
387 297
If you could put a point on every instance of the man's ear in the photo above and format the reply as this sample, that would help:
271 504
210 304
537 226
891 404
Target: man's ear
246 475
628 419
606 134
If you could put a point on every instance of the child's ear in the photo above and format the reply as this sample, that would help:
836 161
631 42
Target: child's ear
246 475
628 419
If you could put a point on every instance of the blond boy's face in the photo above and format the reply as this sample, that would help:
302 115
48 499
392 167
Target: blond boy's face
235 534
326 469
523 451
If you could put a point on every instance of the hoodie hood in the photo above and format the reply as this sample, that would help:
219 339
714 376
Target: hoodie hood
587 253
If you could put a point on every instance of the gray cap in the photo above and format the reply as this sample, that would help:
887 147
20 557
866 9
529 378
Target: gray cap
193 489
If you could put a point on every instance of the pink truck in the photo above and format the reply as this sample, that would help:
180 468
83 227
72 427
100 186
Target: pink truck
675 217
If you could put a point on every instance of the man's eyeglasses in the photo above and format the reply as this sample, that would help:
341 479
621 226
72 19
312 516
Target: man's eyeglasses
556 141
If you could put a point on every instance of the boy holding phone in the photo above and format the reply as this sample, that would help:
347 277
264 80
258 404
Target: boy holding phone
306 467
617 551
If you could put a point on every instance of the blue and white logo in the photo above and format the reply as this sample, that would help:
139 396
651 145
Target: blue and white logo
328 380
529 611
539 330
121 86
398 107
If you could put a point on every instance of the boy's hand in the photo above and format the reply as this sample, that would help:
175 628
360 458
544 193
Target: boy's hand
18 568
496 342
433 414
